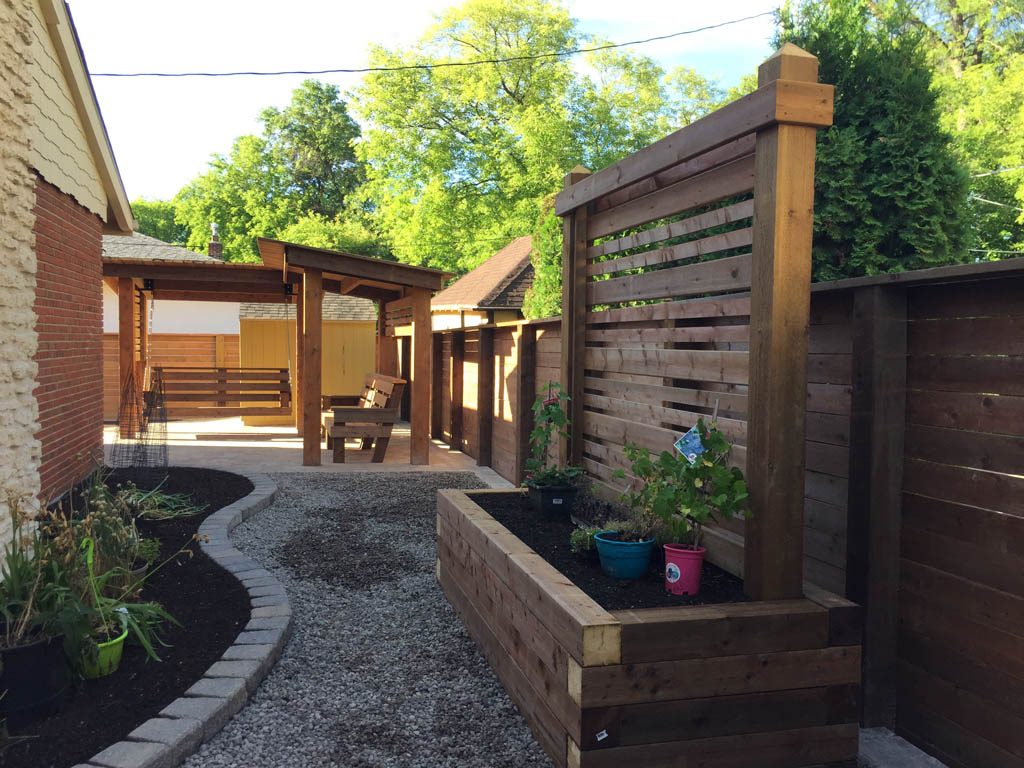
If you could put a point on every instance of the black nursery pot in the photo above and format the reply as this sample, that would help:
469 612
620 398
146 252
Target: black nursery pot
34 677
553 500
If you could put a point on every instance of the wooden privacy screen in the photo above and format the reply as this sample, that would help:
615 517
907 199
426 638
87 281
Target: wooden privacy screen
671 257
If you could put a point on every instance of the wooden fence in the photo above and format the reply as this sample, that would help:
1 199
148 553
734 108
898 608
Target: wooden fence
923 374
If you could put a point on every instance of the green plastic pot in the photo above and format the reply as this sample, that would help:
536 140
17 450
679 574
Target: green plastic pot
108 658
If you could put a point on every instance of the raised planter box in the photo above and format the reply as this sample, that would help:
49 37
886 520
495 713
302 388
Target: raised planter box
766 684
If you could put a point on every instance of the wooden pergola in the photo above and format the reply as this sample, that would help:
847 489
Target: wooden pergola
293 273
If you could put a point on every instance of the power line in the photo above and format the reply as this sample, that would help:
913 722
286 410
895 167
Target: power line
439 65
998 171
981 199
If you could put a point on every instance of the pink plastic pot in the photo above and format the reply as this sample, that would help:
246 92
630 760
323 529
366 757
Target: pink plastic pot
682 569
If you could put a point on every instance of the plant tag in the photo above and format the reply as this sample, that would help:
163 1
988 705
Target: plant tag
556 501
690 445
602 735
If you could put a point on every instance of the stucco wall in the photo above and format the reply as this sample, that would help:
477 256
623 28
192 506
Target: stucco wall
57 140
19 449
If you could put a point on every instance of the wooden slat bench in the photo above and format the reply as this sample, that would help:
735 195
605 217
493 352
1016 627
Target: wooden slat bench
369 417
211 393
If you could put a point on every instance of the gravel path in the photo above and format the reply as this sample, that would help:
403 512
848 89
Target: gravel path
379 671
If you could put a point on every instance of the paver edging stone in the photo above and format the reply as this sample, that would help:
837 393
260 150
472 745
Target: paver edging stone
246 661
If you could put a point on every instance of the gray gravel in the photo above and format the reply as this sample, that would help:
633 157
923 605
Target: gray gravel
379 671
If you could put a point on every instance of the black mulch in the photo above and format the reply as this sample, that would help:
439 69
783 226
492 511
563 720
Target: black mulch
212 608
550 539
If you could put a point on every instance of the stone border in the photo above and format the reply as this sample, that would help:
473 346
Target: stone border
167 740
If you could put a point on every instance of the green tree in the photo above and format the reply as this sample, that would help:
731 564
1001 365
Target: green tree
889 191
156 219
303 164
460 159
544 297
318 231
976 48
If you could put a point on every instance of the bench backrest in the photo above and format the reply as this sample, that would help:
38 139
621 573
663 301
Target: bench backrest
382 391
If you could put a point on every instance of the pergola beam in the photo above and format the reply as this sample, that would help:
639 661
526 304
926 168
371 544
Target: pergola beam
181 271
259 298
364 267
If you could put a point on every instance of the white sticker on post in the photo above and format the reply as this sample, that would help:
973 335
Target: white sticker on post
556 501
602 736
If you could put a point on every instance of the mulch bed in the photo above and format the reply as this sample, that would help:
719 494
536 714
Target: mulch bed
549 538
212 608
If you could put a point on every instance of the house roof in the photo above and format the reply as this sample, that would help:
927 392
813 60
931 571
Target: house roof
139 247
498 283
62 31
335 307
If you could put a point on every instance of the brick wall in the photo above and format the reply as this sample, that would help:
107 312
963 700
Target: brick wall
69 310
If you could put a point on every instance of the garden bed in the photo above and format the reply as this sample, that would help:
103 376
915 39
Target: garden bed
759 684
212 607
549 538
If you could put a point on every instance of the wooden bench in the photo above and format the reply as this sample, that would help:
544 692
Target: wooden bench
369 417
214 393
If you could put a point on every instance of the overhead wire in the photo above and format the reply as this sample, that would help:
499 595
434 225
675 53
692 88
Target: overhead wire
441 64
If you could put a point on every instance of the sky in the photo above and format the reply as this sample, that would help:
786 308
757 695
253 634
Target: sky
164 131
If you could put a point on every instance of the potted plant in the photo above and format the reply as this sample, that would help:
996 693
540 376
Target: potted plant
625 547
33 670
684 492
552 488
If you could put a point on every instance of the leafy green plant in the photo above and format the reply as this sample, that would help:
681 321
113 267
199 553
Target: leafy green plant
682 497
581 540
157 505
549 421
33 588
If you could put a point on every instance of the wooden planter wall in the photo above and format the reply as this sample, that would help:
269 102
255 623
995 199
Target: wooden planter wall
770 684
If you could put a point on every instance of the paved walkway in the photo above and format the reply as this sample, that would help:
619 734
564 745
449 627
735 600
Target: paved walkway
230 445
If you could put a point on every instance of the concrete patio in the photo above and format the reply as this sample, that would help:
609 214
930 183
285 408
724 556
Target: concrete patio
230 445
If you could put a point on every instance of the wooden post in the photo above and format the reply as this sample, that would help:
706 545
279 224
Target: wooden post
312 327
456 391
125 342
422 358
485 397
143 339
574 318
300 360
779 314
526 372
874 519
437 386
387 346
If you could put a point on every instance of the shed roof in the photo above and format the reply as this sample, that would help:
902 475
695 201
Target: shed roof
499 283
140 247
335 307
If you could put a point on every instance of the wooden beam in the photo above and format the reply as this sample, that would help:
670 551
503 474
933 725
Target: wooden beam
779 320
422 359
874 518
312 326
143 339
182 271
457 390
574 318
125 342
348 284
259 298
485 397
780 99
350 265
300 360
526 375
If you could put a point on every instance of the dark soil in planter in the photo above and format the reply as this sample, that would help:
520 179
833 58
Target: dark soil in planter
212 608
550 539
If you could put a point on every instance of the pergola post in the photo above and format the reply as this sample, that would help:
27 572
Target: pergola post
300 360
312 331
422 361
779 316
387 346
143 340
126 343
